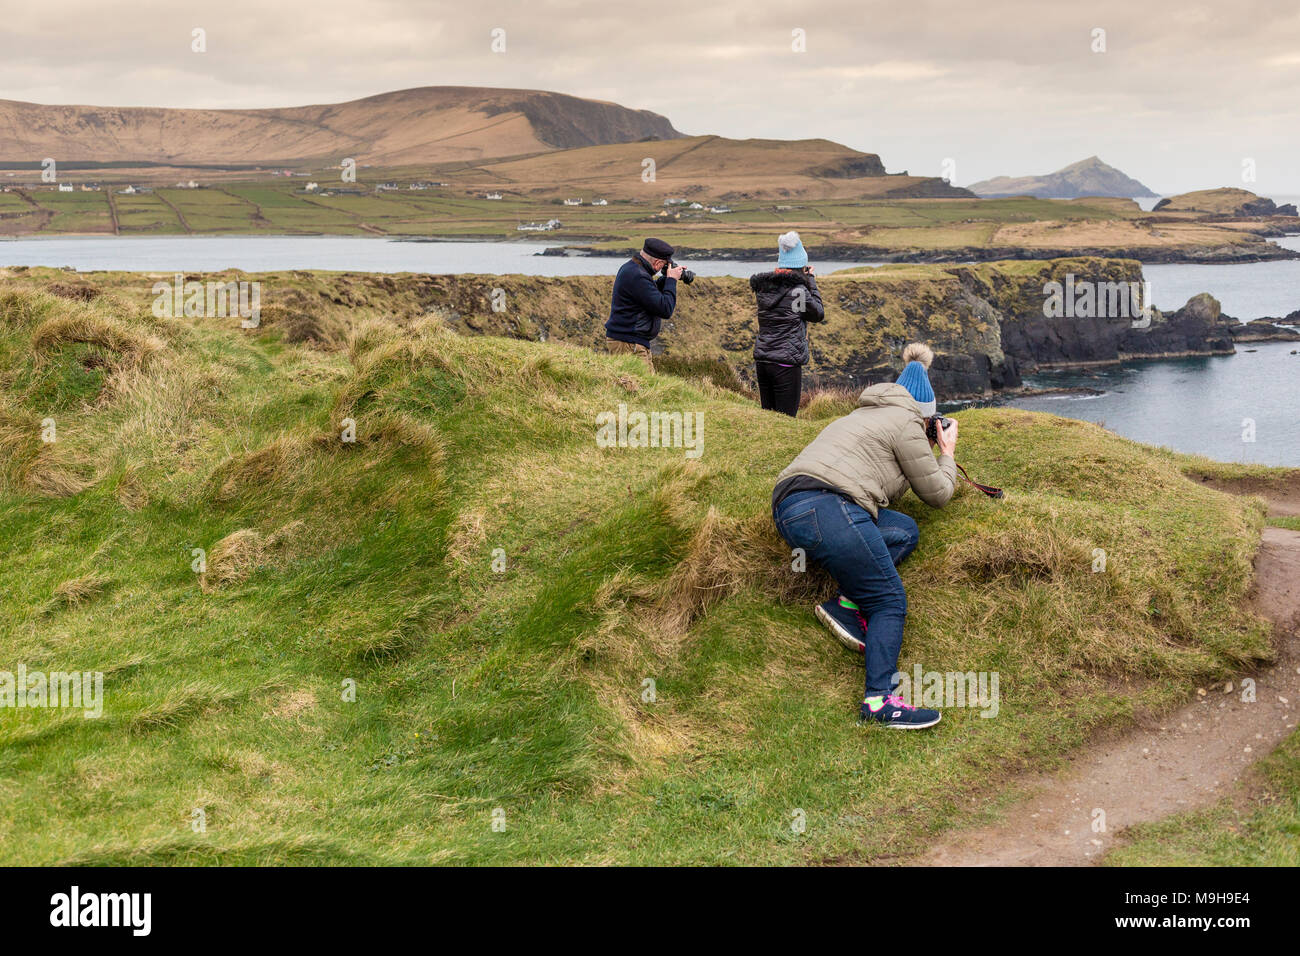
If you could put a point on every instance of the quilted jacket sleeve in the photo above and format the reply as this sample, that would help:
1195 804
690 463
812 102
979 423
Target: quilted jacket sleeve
932 479
815 311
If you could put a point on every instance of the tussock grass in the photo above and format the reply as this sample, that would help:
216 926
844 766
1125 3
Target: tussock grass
81 589
488 610
126 345
826 403
56 472
240 553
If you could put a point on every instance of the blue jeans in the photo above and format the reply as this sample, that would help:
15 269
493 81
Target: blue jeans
860 554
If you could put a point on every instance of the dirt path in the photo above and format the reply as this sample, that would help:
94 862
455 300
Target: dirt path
1185 760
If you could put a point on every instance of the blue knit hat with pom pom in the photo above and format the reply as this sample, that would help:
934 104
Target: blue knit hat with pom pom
916 379
790 251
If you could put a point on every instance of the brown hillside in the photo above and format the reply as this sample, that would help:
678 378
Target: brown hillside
425 125
711 167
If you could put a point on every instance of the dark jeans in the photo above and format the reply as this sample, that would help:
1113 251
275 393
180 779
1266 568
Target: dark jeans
778 386
860 554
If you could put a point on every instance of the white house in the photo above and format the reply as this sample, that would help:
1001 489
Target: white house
547 226
492 196
311 187
696 205
573 202
65 187
599 202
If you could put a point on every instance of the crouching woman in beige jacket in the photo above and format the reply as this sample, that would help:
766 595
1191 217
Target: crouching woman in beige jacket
831 502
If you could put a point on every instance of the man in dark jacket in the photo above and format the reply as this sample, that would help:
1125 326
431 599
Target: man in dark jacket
640 301
788 299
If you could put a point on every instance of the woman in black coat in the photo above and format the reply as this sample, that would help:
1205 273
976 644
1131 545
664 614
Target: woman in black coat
788 300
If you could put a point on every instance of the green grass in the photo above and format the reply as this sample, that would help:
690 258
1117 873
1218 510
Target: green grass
77 211
520 688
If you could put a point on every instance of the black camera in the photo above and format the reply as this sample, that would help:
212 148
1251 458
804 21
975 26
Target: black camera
933 424
687 275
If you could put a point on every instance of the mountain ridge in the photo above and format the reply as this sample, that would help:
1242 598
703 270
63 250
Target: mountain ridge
419 125
1087 177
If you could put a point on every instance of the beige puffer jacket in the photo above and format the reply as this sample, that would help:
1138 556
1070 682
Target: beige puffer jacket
875 452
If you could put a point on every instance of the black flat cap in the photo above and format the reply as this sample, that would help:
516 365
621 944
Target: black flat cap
657 248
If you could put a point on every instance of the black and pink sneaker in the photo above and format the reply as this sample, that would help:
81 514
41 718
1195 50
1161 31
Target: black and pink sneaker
891 711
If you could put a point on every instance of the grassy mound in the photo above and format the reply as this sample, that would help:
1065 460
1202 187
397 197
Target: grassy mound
360 604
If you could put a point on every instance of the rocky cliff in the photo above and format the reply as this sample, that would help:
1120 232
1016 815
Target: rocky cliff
989 323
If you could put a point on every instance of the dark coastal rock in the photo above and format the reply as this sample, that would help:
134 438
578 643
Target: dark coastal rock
1195 329
990 324
997 325
1032 337
965 374
1265 330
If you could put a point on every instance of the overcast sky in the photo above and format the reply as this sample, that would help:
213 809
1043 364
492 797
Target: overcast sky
1182 95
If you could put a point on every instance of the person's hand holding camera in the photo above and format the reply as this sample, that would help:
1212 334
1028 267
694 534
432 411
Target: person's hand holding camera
674 271
946 438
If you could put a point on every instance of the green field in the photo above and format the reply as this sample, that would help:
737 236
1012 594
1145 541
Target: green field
918 226
499 591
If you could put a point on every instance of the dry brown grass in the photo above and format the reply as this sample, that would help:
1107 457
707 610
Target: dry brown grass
828 402
56 471
131 491
367 335
236 556
467 538
126 346
724 557
79 590
29 464
293 705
